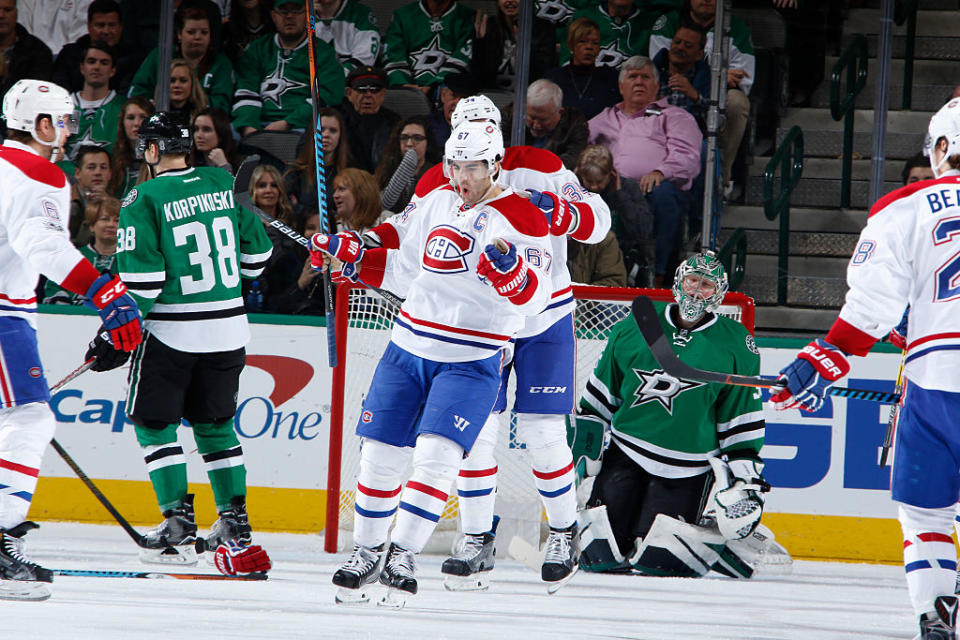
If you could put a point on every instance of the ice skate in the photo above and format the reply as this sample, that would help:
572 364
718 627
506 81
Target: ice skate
361 570
20 577
469 567
233 524
562 558
172 542
399 576
941 623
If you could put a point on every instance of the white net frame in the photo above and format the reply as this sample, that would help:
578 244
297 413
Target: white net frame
363 324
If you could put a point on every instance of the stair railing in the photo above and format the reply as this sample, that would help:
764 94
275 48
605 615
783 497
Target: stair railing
733 257
906 11
852 64
789 159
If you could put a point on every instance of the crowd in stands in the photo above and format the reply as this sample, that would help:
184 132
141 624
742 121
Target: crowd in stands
618 89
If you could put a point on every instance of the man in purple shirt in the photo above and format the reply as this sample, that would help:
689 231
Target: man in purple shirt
656 144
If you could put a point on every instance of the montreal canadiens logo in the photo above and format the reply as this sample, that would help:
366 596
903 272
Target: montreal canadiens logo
446 250
366 417
35 372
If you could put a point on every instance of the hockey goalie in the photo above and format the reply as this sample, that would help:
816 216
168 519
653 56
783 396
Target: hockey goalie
674 477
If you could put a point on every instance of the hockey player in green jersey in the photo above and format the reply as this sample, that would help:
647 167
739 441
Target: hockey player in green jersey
183 245
670 438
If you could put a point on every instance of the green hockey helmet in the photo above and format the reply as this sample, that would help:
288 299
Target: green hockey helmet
694 299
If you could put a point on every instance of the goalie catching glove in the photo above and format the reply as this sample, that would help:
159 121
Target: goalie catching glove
232 559
507 273
737 499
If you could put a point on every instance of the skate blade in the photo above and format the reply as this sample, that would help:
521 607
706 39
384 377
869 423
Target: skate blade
394 598
476 582
24 590
553 587
352 597
182 556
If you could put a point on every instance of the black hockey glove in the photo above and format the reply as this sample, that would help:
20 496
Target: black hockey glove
107 357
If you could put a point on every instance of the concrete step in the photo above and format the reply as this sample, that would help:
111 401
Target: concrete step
802 243
800 266
939 23
775 321
922 5
830 168
828 142
819 118
801 219
924 48
818 193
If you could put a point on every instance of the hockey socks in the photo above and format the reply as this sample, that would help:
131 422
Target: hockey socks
378 491
165 464
223 458
477 481
436 461
929 555
553 474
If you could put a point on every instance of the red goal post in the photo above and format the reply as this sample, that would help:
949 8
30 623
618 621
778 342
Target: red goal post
363 321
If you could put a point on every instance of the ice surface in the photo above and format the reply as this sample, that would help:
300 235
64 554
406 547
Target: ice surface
817 601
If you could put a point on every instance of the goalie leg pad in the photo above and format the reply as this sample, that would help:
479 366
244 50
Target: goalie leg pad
679 549
599 552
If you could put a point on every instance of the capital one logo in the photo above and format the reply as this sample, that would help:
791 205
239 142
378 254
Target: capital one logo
262 417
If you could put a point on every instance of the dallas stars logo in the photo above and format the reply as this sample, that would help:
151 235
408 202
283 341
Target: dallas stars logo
610 56
276 84
429 59
658 386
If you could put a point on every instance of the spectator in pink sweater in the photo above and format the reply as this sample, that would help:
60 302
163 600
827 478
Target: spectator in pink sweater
656 144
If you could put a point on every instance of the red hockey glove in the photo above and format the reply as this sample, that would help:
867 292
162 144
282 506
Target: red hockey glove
346 246
232 559
119 312
562 216
808 378
898 335
505 271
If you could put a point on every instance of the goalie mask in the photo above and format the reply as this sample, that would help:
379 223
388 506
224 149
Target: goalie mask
472 108
473 142
699 285
169 136
28 99
945 123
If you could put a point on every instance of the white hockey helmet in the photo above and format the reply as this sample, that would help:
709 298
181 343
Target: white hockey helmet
471 108
472 141
945 123
28 99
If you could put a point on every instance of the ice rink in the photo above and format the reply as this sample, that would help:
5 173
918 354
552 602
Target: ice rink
817 601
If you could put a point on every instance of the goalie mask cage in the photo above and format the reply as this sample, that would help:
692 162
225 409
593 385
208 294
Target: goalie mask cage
363 324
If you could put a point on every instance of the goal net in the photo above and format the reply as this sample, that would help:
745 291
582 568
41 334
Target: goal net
363 324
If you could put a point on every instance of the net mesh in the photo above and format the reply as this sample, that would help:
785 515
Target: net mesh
369 320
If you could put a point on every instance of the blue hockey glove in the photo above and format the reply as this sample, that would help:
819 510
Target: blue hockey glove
561 215
118 311
898 335
808 378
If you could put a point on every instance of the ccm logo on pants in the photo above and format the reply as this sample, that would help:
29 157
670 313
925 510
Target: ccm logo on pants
548 389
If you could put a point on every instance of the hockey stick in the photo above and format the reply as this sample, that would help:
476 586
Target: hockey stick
133 533
321 180
241 193
156 575
894 412
645 315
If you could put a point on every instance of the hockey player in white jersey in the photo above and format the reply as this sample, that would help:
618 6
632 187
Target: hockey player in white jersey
908 255
544 358
34 239
470 267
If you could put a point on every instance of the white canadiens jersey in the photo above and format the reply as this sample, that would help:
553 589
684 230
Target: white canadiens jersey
909 254
525 167
34 230
450 314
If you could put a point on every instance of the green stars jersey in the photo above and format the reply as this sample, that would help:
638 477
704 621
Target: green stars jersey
55 294
273 83
182 246
217 82
97 125
620 38
741 44
354 33
420 49
671 426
